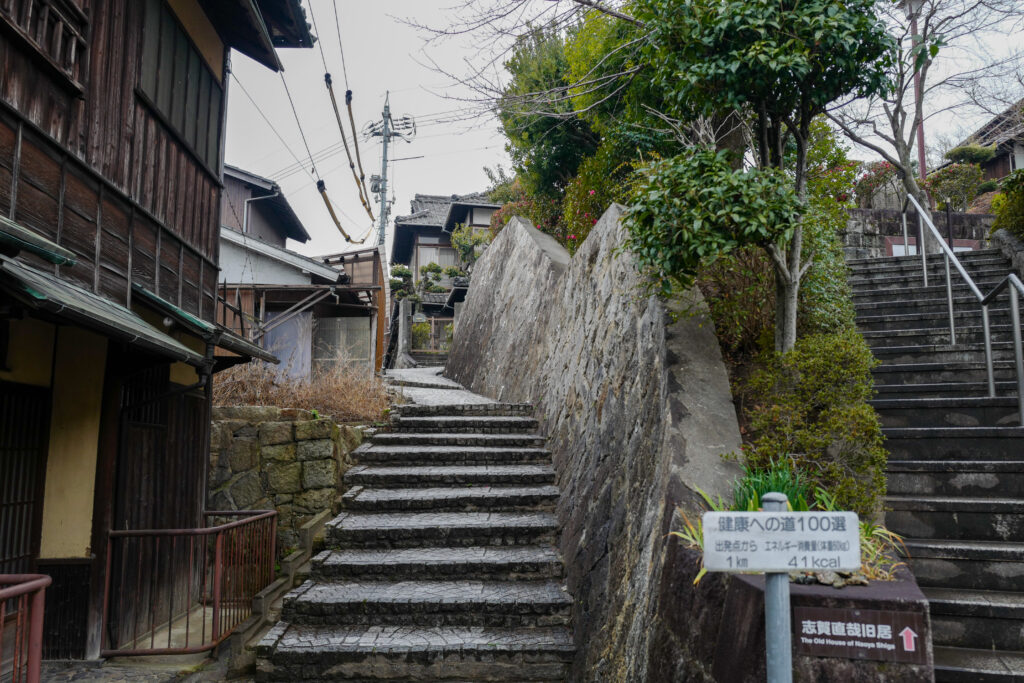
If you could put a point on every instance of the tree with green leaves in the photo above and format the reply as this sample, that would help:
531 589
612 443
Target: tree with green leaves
781 63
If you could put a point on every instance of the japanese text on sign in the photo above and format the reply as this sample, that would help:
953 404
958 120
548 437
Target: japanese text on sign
781 541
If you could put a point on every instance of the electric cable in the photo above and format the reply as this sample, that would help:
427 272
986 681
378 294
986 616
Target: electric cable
295 112
341 46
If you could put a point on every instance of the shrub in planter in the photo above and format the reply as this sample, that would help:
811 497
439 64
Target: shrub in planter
811 404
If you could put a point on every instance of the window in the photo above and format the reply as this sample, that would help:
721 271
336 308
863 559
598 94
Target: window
341 341
179 85
56 30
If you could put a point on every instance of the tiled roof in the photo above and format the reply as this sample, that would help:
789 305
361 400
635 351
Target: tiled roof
432 209
435 297
1007 126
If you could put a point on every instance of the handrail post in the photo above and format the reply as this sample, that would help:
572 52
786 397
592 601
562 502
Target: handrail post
218 558
949 300
1018 361
35 638
986 332
921 246
906 237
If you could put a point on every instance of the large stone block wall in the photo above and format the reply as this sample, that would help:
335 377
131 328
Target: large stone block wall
263 458
635 400
868 231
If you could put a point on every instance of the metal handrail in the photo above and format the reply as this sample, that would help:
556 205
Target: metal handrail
29 590
1011 282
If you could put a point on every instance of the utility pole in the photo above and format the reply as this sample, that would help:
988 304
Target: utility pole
386 129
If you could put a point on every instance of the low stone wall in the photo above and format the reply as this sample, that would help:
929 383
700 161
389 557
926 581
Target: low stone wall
869 231
635 400
263 458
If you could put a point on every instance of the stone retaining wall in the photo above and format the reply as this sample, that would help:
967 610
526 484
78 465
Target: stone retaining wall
262 458
869 231
636 403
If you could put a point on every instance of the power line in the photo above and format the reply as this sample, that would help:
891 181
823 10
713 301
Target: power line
341 46
295 112
299 164
319 42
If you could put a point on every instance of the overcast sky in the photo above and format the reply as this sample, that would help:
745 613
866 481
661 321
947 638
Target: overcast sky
382 54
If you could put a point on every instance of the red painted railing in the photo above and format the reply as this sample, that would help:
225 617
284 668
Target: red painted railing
179 591
21 626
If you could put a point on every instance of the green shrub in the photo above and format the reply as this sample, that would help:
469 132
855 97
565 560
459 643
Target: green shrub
739 289
779 477
988 186
954 186
971 154
811 405
1009 209
421 335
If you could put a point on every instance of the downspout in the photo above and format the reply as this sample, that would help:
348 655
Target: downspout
245 209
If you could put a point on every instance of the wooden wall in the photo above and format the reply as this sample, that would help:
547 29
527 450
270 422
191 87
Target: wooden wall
91 166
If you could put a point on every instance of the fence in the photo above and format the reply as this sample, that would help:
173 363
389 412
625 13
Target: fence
431 334
179 591
22 597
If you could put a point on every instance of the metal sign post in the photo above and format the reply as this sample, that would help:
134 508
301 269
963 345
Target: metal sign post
776 541
777 630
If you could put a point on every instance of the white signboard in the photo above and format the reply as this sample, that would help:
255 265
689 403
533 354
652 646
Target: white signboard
781 541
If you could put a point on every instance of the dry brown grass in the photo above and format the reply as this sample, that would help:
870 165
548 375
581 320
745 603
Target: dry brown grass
347 393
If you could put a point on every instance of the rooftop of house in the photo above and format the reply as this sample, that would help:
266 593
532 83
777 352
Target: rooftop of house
315 267
257 27
432 210
282 211
1004 127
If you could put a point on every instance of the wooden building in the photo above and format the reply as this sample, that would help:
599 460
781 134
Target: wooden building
1005 133
112 118
313 313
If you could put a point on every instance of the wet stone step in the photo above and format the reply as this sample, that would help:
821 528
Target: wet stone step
947 412
944 390
296 652
956 477
492 562
455 439
976 519
452 498
954 443
965 665
468 409
429 476
976 618
418 529
435 454
509 604
983 565
490 424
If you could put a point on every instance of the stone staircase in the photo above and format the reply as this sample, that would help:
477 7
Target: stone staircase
442 566
956 463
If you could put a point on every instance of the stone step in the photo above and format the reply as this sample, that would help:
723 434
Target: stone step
896 305
916 291
931 320
449 439
462 424
972 335
442 455
506 604
940 353
452 498
964 665
939 373
294 652
468 409
954 443
951 390
981 619
983 565
474 562
947 412
984 278
952 517
450 475
936 266
419 529
963 256
956 477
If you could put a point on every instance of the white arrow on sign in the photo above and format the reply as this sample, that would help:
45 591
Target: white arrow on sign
908 635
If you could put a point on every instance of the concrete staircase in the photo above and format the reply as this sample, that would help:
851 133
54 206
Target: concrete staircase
956 463
443 564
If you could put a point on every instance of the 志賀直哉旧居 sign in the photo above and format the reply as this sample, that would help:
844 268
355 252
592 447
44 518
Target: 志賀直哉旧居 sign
860 634
781 541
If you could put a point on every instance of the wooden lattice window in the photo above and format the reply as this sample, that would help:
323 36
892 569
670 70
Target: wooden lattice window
55 30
